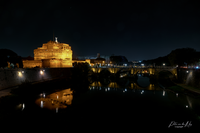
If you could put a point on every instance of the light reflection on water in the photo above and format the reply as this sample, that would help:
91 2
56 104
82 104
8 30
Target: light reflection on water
57 100
143 82
182 100
149 96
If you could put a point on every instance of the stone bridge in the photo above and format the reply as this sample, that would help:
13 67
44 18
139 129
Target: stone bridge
134 71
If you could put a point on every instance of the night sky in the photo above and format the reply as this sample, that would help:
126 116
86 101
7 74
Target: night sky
138 30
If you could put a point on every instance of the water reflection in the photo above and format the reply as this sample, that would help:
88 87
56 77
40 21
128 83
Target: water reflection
163 93
159 99
23 106
130 85
143 81
142 91
57 100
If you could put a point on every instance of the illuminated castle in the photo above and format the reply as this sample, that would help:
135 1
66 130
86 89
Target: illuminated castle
51 54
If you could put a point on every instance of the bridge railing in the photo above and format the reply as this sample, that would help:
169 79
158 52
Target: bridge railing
159 67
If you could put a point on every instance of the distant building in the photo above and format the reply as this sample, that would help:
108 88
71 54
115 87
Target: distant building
99 60
136 61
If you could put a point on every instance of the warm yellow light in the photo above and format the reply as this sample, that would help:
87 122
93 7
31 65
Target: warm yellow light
20 74
41 72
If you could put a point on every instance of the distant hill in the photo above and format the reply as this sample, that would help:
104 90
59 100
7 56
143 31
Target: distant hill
181 57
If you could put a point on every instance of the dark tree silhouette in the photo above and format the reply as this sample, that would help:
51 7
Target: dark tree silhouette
7 55
183 56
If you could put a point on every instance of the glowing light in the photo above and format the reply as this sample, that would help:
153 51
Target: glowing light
43 94
187 71
23 106
163 93
56 110
41 72
186 106
163 64
56 39
125 89
22 71
20 74
197 67
108 88
105 89
176 94
41 104
57 96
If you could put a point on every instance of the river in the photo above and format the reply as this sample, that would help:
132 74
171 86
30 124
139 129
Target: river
138 105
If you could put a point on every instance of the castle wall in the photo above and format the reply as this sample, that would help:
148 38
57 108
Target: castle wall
32 63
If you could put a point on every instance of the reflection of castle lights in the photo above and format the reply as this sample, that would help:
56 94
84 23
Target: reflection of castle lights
41 104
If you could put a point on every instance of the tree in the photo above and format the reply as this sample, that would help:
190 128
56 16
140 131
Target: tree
182 56
7 55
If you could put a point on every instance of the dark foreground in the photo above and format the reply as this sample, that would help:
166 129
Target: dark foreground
104 109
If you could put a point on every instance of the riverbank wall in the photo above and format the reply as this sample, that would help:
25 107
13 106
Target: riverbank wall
14 77
189 77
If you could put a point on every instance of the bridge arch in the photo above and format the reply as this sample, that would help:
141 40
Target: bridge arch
134 71
123 72
123 82
105 73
